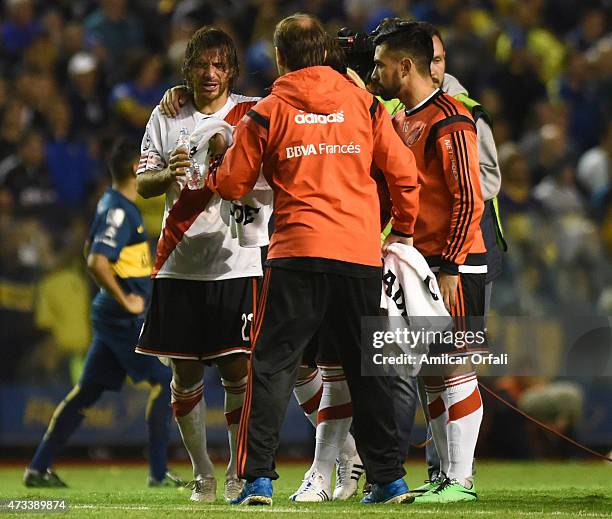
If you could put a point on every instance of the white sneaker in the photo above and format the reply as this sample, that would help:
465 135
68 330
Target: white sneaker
203 489
348 471
314 489
233 487
304 480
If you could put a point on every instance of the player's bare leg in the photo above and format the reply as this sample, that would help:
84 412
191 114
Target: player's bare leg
189 409
233 369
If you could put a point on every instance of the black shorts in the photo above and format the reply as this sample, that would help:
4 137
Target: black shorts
470 299
198 320
468 315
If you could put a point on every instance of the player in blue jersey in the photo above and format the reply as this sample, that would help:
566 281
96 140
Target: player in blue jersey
119 260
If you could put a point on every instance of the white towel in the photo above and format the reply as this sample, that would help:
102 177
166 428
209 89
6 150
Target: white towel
411 275
200 137
251 215
410 291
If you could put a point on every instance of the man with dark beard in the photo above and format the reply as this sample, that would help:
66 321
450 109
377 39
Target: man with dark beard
442 135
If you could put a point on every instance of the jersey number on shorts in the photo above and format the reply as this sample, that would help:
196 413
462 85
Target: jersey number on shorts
246 322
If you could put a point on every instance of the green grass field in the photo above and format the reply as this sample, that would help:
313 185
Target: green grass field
506 490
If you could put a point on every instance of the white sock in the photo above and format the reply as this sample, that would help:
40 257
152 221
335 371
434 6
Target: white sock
349 448
438 418
333 421
234 398
308 393
462 399
190 415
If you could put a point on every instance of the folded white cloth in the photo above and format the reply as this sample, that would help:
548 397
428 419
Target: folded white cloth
200 137
410 291
413 278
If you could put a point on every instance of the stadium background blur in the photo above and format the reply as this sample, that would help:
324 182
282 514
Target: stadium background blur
77 73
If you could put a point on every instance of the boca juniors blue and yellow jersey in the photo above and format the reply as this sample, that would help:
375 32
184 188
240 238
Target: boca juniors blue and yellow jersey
117 232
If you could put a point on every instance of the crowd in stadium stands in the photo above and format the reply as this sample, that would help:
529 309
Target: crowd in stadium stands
76 73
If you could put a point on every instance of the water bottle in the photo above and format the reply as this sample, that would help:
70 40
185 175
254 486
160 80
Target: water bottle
195 180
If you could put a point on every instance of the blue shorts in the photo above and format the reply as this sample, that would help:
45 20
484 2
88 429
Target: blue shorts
111 356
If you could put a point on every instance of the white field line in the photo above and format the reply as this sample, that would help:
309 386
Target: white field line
381 509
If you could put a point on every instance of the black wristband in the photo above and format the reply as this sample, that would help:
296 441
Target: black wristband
402 234
449 267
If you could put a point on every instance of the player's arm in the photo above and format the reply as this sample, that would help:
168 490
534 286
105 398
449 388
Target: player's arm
397 163
238 172
174 98
151 183
384 197
109 235
490 174
457 150
102 271
155 174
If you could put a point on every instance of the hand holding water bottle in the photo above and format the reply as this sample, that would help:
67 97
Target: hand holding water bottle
182 165
179 160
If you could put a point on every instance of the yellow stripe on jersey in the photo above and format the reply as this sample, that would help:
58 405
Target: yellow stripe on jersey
134 261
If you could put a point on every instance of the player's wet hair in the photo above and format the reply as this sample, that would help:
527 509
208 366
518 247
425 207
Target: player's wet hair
210 38
124 154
